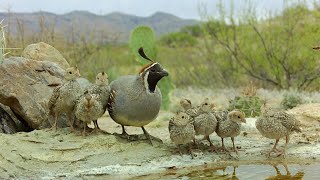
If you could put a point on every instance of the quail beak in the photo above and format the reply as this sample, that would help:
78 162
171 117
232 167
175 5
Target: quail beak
243 120
164 73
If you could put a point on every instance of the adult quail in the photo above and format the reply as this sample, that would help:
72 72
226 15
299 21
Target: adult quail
205 122
64 97
88 108
181 130
135 100
230 127
276 124
101 89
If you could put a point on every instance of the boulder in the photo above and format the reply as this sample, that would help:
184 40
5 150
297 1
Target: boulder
307 114
26 86
44 52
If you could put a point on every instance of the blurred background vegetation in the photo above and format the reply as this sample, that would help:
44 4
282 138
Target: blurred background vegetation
226 51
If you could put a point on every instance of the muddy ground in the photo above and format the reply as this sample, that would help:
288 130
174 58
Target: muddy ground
47 154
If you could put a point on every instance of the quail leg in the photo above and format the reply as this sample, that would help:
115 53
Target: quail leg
125 135
84 129
224 149
190 151
234 147
55 124
70 120
149 137
274 149
195 143
96 127
213 148
285 148
179 148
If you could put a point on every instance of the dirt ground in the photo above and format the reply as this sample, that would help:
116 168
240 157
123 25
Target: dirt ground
47 154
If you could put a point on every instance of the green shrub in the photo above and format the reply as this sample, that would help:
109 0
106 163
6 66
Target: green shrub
291 100
178 39
250 105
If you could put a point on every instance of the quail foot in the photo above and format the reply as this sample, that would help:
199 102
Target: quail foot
64 97
182 131
88 108
101 89
135 100
230 127
276 124
205 122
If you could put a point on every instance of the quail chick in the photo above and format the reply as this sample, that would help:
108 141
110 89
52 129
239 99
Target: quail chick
182 131
276 124
135 100
64 97
230 127
88 108
188 108
101 89
205 122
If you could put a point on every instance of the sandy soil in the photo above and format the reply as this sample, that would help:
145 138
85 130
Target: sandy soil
47 154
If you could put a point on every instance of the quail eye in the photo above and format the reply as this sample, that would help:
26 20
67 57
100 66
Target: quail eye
70 72
182 117
153 70
205 103
239 117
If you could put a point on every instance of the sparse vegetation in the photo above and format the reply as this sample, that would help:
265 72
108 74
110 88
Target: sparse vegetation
291 100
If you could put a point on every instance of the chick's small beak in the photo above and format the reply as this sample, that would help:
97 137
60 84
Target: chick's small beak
164 73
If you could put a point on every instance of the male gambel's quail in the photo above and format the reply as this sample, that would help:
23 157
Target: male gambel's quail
88 108
275 124
181 130
64 97
101 89
230 127
135 100
205 122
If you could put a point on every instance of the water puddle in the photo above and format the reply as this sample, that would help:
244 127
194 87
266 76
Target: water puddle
258 171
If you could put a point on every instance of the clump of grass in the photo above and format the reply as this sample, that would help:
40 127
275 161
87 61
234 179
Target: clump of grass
291 100
2 41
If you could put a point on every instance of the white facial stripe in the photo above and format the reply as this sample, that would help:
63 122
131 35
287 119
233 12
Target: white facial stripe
153 64
145 81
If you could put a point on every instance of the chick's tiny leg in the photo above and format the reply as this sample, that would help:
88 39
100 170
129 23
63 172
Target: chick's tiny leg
213 148
84 129
274 148
190 151
55 125
223 147
234 147
96 126
179 148
70 120
195 143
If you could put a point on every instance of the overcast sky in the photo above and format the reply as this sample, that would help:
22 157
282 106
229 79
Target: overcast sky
181 8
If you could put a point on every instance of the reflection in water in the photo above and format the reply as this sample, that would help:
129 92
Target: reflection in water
247 172
288 175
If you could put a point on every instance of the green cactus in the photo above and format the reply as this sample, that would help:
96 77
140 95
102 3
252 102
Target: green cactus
250 105
143 36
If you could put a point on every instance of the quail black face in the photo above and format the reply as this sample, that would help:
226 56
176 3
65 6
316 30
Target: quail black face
155 72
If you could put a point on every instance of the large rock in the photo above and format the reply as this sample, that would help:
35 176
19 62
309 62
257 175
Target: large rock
26 86
44 52
307 114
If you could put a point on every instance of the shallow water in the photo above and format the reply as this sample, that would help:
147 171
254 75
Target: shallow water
270 172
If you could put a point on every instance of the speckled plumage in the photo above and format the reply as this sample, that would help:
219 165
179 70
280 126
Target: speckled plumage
230 127
181 129
101 90
88 108
64 97
274 124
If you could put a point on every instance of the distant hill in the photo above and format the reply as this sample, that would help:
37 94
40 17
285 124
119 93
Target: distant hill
115 26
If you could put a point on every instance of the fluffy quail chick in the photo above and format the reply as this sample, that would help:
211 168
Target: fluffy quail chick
64 97
188 108
182 131
101 89
88 108
275 124
230 127
205 122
